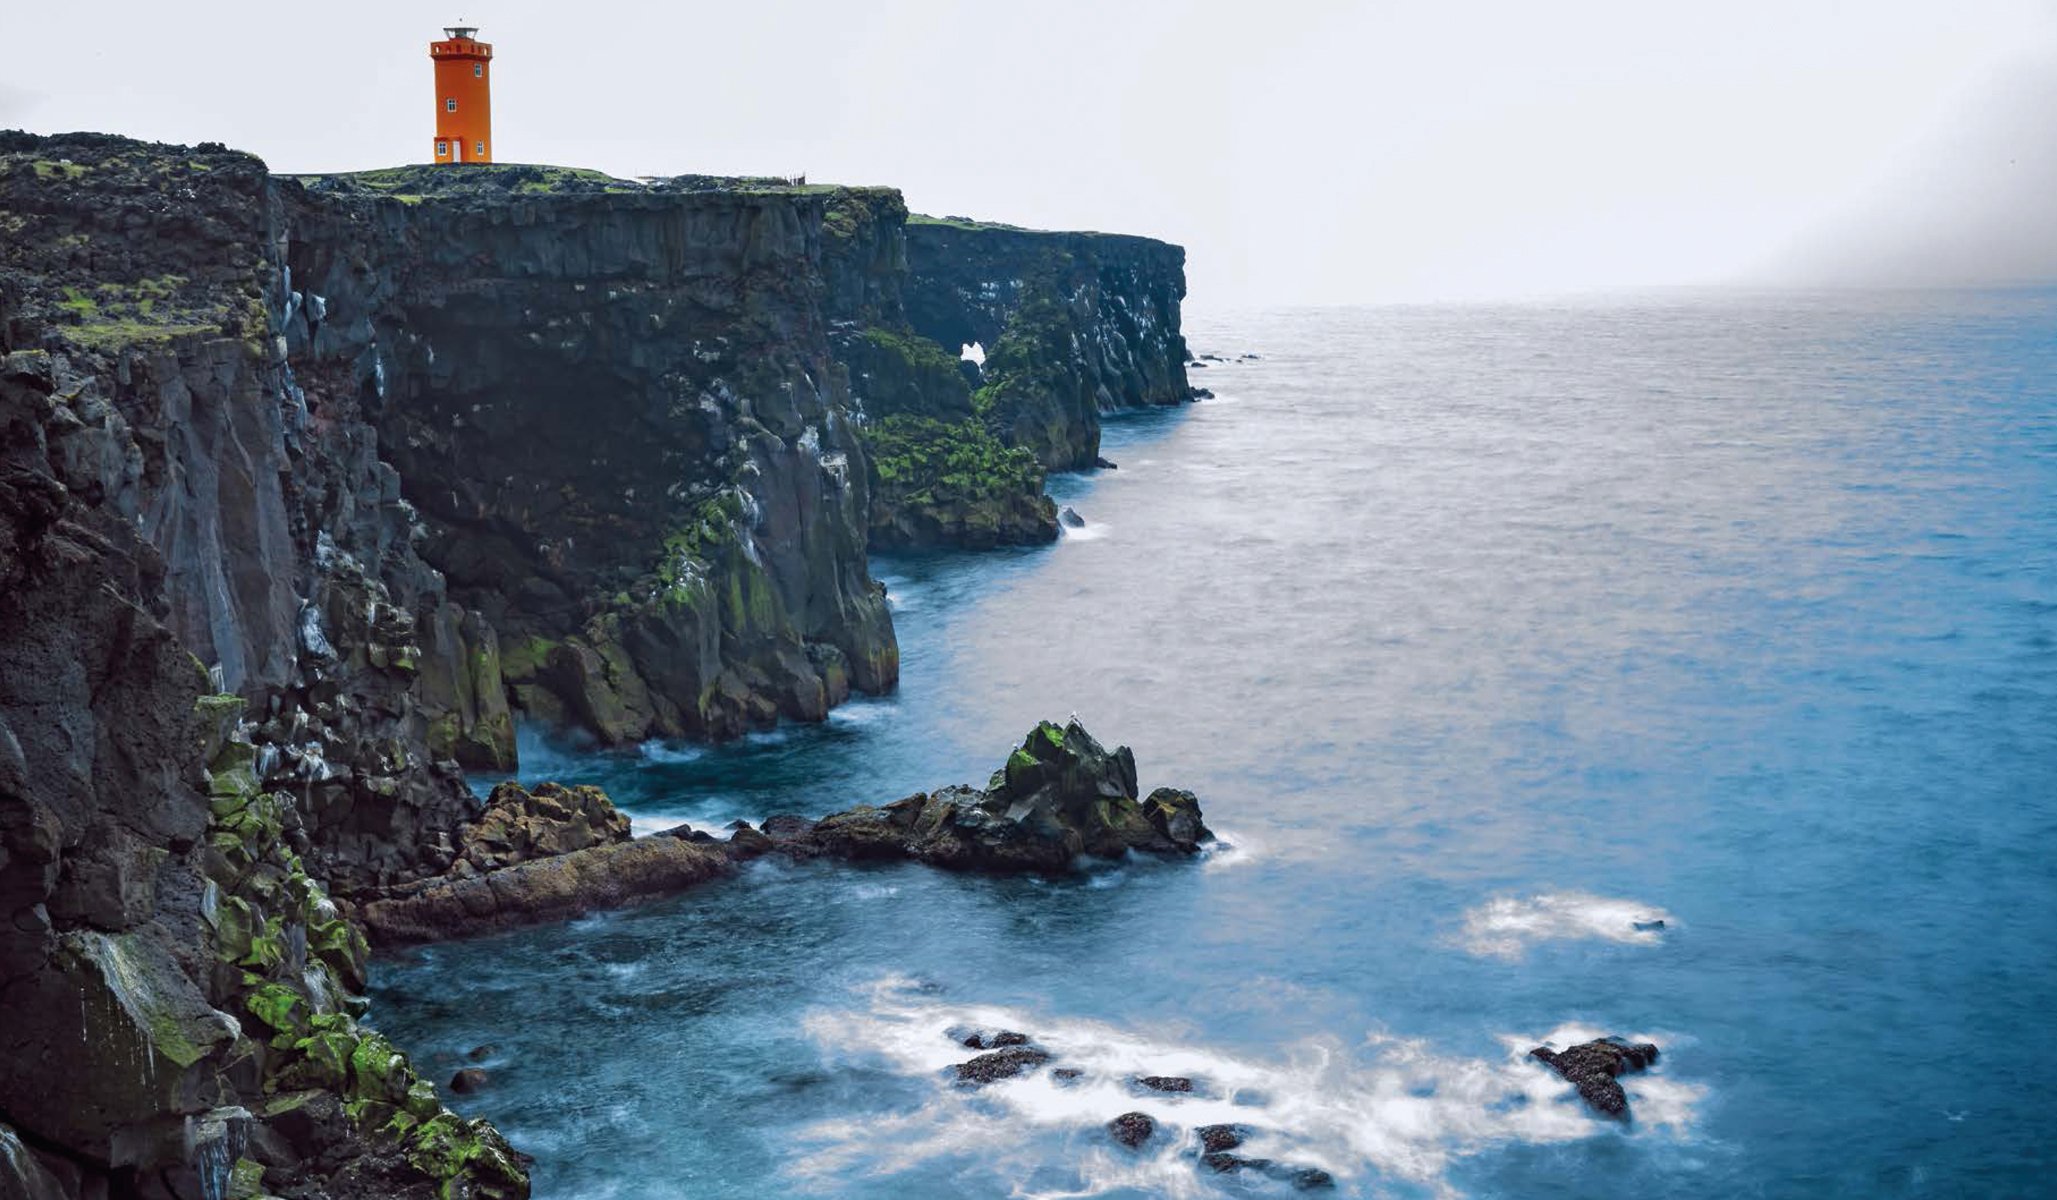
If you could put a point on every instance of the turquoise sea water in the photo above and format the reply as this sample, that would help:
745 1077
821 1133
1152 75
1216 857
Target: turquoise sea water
1482 633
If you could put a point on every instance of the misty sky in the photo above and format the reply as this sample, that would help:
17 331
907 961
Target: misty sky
1308 151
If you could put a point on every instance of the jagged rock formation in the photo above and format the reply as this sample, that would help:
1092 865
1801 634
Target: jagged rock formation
1059 795
1593 1067
179 991
550 854
1074 325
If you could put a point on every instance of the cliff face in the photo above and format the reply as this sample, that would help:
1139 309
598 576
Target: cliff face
307 487
1073 325
620 420
179 988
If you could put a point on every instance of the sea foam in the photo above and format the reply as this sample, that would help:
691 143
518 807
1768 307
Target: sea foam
1505 926
1385 1111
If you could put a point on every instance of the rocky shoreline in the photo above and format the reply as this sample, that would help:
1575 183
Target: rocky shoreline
311 487
557 852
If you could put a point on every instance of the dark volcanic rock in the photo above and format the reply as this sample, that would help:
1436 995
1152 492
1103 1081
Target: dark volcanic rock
1067 1074
176 983
544 889
1070 517
1216 1138
1073 325
1166 1083
1592 1067
1001 1064
999 1041
1132 1129
1224 1163
1060 795
468 1079
519 825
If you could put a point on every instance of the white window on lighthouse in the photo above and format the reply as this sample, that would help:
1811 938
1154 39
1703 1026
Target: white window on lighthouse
450 105
478 70
480 148
442 149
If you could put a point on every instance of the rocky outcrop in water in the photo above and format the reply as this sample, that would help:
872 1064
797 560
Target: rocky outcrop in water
1594 1067
1060 795
547 855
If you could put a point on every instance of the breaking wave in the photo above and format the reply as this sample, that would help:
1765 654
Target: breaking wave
1388 1111
1506 926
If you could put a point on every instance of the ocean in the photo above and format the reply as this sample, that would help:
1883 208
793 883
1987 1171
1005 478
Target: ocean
1484 634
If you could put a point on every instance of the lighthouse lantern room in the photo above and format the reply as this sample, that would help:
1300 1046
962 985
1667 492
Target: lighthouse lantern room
464 106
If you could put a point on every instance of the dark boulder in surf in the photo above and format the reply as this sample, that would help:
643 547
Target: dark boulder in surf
1166 1083
1593 1067
1132 1129
1070 518
1216 1138
469 1079
996 1065
1060 795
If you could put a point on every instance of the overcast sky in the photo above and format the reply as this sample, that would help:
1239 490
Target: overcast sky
1309 151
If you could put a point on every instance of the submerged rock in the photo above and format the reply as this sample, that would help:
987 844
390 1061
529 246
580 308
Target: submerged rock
1001 1064
1166 1083
1060 795
469 1079
1654 926
1592 1067
998 1041
1132 1129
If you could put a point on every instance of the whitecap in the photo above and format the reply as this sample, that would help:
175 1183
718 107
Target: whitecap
1505 926
1228 850
1083 533
658 751
1390 1108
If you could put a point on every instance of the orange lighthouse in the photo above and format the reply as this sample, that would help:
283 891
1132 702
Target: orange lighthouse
464 103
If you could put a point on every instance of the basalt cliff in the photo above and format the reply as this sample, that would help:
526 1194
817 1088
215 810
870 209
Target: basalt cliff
310 487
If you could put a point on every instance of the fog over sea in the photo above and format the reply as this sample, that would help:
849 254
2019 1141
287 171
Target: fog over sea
1484 634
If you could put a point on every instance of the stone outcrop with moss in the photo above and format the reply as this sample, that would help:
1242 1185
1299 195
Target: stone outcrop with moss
1073 325
1059 795
180 993
548 854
